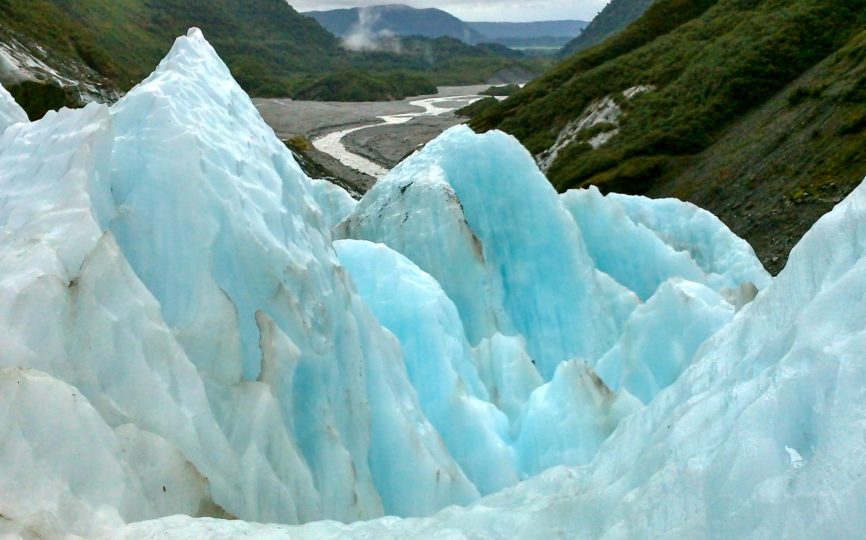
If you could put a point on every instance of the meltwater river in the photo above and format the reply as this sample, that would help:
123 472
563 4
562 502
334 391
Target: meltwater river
332 143
337 129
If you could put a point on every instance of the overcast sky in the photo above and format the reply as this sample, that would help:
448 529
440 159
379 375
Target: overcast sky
480 10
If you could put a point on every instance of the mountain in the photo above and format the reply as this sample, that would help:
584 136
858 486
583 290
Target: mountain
266 42
126 41
614 18
361 26
506 30
394 20
526 34
724 103
65 52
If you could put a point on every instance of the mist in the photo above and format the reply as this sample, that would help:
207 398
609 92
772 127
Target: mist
364 37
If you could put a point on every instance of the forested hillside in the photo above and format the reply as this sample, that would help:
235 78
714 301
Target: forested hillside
614 18
272 50
713 101
262 40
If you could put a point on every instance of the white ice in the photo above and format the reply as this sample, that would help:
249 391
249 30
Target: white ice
10 112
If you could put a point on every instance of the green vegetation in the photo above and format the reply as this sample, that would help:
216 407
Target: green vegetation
360 86
38 98
502 91
711 61
614 18
751 96
779 168
265 42
447 61
477 108
57 31
271 49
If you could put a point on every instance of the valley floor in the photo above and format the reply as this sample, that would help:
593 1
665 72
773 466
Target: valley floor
384 144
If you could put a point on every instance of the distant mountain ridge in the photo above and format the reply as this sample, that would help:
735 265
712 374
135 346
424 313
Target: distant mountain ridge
395 19
521 34
265 42
536 29
401 20
65 52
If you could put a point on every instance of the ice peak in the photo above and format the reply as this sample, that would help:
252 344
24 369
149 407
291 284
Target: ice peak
192 57
192 87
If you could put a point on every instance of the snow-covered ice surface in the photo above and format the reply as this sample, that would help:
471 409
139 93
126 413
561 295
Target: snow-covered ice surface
10 112
189 325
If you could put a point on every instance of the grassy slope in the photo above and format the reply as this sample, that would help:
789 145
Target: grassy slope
714 62
544 107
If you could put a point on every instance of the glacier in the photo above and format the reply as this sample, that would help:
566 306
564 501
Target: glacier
10 111
199 341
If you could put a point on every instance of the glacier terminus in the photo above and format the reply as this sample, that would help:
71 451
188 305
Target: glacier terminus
199 341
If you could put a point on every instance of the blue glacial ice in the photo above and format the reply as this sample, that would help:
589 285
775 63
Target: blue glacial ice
514 263
662 336
411 304
92 197
335 202
643 242
759 438
190 325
